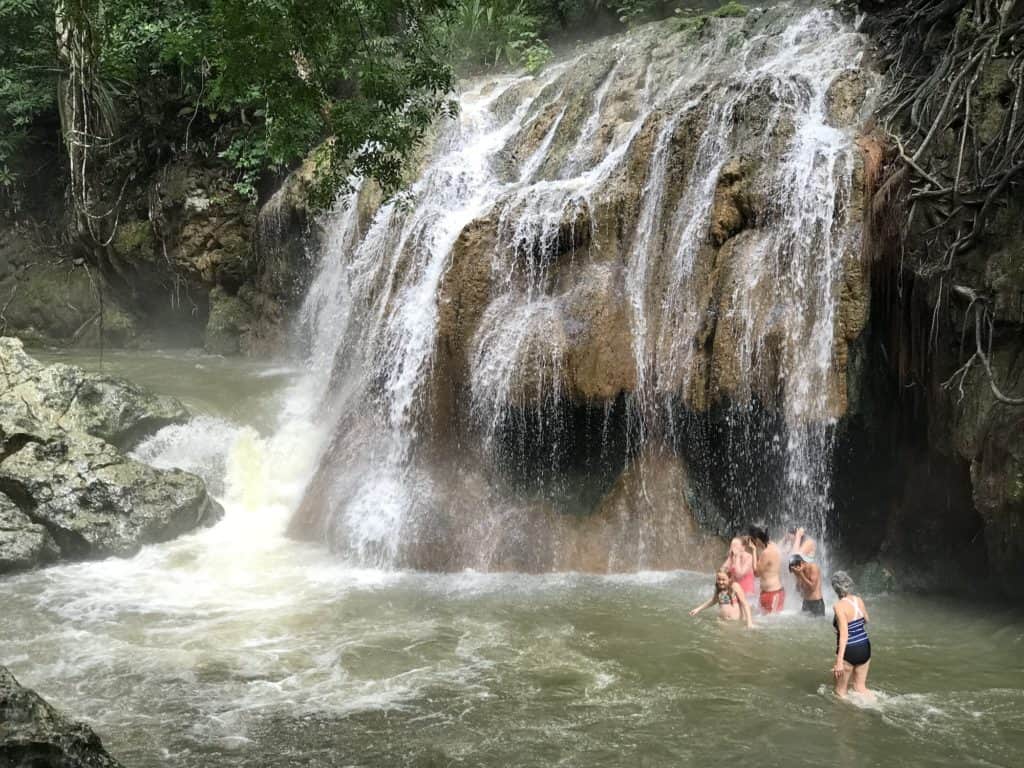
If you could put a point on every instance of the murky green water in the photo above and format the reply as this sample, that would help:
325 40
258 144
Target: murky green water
237 647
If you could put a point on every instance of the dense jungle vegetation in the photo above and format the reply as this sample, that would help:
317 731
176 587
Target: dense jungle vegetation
256 84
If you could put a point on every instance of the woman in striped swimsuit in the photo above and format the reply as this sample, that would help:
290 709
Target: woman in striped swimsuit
853 649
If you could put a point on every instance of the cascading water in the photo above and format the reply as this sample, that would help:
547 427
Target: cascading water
621 297
663 226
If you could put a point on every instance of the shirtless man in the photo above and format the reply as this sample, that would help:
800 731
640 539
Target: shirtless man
768 566
808 582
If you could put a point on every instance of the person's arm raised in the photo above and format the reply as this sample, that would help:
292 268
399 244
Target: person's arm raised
798 540
755 566
804 576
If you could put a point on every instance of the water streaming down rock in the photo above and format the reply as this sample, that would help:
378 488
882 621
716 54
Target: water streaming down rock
661 230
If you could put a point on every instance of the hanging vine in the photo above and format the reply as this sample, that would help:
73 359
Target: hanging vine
87 114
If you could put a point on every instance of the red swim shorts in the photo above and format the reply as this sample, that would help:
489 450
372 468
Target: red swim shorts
772 602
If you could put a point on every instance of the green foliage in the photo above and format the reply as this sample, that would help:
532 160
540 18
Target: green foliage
366 73
27 83
630 11
533 52
260 84
731 10
485 33
249 155
281 75
693 20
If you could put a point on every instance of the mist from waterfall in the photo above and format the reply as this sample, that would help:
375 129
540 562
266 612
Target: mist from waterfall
660 227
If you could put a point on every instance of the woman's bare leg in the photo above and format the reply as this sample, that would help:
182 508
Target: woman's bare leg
843 681
860 679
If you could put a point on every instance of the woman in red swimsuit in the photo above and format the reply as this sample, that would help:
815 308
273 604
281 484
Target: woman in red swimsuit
739 564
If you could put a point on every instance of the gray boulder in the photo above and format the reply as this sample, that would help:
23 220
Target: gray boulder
33 734
23 544
94 500
69 492
67 397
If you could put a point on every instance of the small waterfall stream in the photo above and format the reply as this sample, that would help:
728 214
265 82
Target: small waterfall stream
662 226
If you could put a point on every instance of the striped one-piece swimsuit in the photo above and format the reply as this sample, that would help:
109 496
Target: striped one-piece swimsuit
858 647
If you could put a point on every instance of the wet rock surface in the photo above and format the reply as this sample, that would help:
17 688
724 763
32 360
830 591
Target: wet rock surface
71 399
33 734
23 543
659 231
69 490
56 301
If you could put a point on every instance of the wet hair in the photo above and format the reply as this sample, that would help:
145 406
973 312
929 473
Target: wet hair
796 560
842 583
759 533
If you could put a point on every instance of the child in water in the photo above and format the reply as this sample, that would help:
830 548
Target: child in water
732 603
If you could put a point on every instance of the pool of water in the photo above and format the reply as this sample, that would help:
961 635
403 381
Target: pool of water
238 647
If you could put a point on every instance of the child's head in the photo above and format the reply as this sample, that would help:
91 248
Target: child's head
722 579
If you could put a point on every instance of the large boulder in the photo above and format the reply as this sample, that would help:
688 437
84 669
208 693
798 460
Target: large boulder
34 735
94 500
69 398
69 491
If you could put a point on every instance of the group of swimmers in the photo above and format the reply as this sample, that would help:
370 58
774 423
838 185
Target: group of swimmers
755 555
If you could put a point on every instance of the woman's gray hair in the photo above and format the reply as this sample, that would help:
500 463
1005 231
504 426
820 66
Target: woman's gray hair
842 583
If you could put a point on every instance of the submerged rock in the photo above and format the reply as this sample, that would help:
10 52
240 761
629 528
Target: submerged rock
35 735
71 493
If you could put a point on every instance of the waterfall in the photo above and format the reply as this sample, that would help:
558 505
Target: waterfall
661 229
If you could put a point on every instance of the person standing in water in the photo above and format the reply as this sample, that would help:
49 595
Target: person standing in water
739 564
732 603
853 649
768 567
808 582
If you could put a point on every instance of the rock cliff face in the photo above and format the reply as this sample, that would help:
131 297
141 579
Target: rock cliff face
659 232
67 491
189 263
34 734
948 280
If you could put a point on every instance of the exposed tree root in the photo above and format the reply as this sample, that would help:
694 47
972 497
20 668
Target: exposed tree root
950 172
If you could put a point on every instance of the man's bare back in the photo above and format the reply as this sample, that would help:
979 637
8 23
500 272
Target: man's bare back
769 564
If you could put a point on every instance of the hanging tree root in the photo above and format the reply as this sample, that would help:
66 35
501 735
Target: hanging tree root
978 309
949 173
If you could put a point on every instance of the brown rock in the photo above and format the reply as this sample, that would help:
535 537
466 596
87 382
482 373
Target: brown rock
645 522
